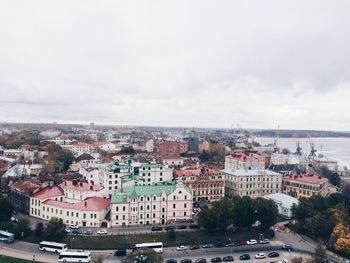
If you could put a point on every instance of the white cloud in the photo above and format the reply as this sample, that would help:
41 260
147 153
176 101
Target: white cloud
201 63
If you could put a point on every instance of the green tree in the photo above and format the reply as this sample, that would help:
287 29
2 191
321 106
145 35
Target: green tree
218 217
54 228
39 229
22 229
143 256
6 209
244 213
172 234
207 219
266 212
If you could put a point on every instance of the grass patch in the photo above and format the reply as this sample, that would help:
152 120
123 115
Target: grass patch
183 237
4 259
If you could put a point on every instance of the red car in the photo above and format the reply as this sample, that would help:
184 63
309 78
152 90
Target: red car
193 247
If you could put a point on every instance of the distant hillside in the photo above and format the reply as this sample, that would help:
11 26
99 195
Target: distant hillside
300 133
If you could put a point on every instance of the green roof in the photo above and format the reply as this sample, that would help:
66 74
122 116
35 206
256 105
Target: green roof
157 189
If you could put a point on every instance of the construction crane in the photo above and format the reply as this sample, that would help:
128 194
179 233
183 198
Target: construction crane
297 143
312 148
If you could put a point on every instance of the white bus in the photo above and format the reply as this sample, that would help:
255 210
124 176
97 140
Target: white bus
52 247
6 237
75 256
156 246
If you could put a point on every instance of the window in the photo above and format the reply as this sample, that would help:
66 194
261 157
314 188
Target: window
123 208
174 206
117 208
185 205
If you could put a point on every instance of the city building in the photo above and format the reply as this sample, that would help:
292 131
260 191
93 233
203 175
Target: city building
207 184
204 146
149 145
245 161
183 147
251 182
79 148
306 185
169 150
159 203
284 203
104 146
75 202
19 195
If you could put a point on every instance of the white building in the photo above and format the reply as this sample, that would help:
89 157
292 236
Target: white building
284 203
251 182
149 145
160 203
244 160
75 202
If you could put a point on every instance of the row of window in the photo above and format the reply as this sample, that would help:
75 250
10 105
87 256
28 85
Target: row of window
147 216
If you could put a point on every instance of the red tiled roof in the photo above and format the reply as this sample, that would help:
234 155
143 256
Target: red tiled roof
80 186
89 204
48 192
306 178
24 186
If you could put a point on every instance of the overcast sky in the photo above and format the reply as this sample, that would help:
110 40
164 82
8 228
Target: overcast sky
200 63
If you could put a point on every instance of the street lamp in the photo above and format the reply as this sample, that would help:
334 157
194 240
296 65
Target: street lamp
231 244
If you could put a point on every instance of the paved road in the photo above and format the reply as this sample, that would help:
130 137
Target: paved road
26 250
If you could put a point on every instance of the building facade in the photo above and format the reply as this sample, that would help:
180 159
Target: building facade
251 182
77 203
307 185
206 184
160 203
244 161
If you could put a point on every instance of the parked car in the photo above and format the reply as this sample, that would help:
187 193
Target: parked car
181 248
193 247
194 226
273 254
227 259
283 261
230 244
215 260
252 242
264 241
260 256
201 260
157 228
102 232
88 232
67 230
171 261
74 226
287 247
76 232
171 227
240 243
219 244
207 245
244 257
121 253
181 227
186 260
